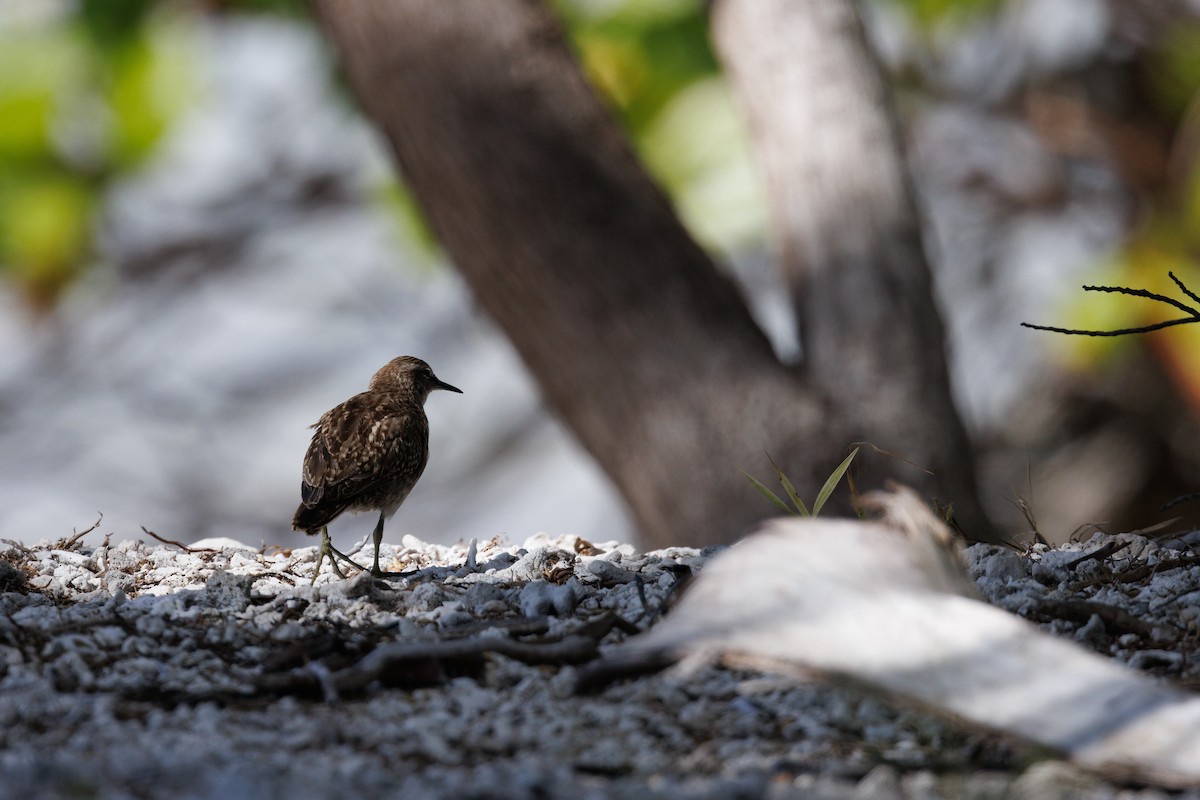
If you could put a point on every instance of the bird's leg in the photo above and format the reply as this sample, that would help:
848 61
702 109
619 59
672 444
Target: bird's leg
333 551
317 571
325 549
377 537
334 554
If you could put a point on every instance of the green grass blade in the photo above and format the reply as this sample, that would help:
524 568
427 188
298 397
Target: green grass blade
792 494
767 493
832 481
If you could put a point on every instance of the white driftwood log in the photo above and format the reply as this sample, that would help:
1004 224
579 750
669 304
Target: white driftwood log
886 604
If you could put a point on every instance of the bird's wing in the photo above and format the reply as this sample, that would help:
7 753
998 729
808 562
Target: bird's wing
354 445
407 449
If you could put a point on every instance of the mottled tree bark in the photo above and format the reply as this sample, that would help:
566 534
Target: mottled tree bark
638 342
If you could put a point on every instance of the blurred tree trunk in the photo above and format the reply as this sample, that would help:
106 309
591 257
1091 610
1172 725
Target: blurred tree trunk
845 227
639 343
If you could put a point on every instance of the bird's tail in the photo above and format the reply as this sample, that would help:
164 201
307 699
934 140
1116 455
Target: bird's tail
311 519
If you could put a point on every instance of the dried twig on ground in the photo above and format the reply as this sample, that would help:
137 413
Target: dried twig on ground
1116 620
174 543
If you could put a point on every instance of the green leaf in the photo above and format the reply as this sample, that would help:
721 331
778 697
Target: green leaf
110 22
148 84
766 492
931 14
801 509
36 70
832 481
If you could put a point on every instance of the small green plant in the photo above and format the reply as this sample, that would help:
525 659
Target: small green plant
799 508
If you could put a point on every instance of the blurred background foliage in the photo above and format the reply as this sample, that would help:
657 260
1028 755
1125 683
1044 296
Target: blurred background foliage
1053 142
87 89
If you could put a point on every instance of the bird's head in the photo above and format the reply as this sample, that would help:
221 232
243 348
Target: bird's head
408 374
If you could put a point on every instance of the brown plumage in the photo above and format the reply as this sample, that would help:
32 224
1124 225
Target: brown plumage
368 452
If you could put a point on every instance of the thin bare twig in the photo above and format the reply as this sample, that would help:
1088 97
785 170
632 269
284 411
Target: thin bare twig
1086 527
889 454
1102 552
67 544
1120 332
1183 498
1026 510
1116 620
1149 295
1159 530
1193 313
414 657
1137 573
180 545
1184 288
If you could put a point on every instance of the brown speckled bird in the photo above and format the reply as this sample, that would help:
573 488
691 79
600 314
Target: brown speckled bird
367 454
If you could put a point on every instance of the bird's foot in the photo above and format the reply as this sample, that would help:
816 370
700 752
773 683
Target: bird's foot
327 549
334 554
383 573
317 571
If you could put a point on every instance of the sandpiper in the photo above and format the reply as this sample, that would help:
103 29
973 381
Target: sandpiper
367 454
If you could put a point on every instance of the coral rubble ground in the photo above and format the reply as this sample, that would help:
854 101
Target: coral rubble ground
149 670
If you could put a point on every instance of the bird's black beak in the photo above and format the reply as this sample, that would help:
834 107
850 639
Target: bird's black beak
443 385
